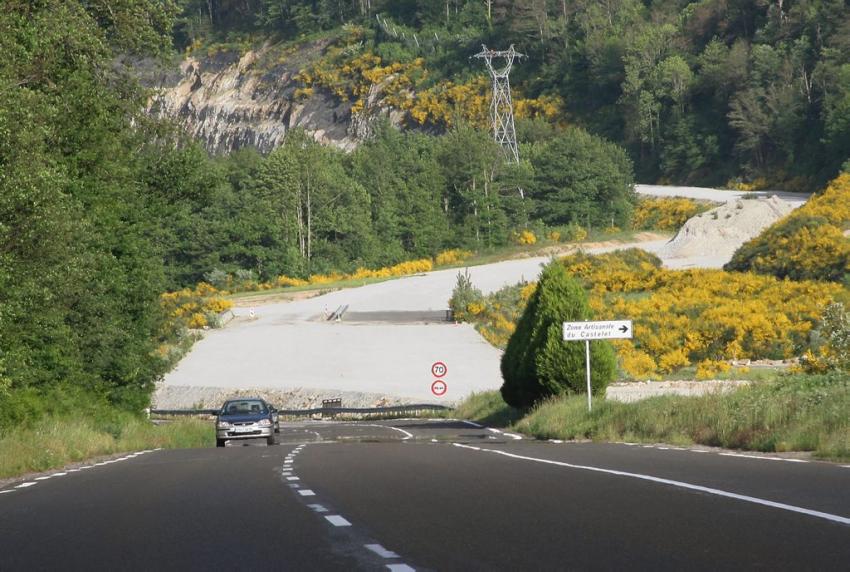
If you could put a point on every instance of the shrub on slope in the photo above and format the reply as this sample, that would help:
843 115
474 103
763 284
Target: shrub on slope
809 244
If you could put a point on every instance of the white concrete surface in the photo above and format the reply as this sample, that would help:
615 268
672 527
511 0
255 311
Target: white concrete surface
717 195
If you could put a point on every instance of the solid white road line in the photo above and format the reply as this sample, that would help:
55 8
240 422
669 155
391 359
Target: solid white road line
6 491
306 493
337 520
679 484
381 551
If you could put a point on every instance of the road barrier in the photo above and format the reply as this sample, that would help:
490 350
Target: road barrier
392 411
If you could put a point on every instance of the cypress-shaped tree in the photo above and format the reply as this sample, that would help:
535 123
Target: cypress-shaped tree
537 362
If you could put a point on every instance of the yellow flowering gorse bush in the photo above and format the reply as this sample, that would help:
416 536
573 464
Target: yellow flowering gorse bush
661 213
405 86
807 244
682 317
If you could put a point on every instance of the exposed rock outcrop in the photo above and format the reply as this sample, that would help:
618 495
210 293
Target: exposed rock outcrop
229 101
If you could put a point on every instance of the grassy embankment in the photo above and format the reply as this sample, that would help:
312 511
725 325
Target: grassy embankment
788 413
43 432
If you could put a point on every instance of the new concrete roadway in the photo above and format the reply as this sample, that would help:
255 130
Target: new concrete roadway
430 495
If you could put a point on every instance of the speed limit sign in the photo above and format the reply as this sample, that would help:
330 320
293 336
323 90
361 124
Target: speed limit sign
439 369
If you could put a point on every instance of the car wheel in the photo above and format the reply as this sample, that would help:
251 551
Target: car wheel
219 442
270 440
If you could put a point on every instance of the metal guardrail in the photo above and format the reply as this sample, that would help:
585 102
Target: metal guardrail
331 411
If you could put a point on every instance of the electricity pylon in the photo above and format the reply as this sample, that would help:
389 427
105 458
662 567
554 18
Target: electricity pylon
501 108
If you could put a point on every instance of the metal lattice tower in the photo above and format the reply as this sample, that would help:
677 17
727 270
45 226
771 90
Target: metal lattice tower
502 108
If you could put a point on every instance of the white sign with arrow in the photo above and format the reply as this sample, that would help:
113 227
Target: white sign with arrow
606 330
600 330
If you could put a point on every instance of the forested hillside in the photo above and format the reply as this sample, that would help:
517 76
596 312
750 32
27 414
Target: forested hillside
708 92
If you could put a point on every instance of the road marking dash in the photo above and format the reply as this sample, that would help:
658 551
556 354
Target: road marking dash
514 436
306 493
663 448
750 456
25 485
381 551
42 478
474 424
286 473
292 479
59 474
337 520
680 484
558 441
697 450
317 507
294 486
493 430
6 492
400 568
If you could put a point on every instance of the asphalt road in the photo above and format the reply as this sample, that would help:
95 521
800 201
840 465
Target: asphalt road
429 495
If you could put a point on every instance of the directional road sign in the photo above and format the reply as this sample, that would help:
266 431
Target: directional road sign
604 330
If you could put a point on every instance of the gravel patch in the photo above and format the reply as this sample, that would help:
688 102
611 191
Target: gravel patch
635 391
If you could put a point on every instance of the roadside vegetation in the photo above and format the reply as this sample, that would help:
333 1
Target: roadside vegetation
39 431
700 319
792 412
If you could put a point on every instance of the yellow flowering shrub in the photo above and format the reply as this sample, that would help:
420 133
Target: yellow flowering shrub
809 243
452 256
554 236
706 369
662 213
683 317
525 237
284 281
406 86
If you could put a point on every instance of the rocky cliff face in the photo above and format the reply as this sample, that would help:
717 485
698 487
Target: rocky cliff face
229 101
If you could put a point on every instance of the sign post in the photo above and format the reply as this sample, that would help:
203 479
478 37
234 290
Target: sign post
601 330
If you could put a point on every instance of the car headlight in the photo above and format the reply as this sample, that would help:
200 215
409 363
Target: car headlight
265 423
224 425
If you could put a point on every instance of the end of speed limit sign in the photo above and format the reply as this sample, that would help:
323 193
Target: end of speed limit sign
439 369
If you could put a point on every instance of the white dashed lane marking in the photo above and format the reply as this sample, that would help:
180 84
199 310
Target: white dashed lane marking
381 551
400 568
306 493
679 484
337 520
317 507
25 485
292 479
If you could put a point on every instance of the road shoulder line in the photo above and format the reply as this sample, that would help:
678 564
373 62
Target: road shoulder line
680 484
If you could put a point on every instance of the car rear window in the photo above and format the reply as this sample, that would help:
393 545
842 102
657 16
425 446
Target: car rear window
244 407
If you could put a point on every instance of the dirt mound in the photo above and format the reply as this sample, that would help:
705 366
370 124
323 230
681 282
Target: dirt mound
717 234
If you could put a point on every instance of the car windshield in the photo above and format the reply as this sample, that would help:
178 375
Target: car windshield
244 407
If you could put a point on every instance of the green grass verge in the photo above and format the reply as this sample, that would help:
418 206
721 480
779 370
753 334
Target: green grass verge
790 413
43 430
54 442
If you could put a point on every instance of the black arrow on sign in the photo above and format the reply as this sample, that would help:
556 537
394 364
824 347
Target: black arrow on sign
624 328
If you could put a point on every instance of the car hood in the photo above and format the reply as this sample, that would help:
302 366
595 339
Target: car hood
243 418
